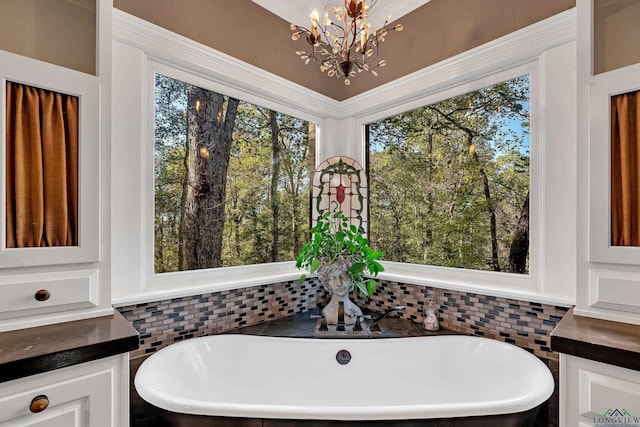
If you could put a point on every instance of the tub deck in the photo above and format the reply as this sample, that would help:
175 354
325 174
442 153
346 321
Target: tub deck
306 325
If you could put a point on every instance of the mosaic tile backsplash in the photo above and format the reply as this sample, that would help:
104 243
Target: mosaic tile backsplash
522 323
525 324
164 322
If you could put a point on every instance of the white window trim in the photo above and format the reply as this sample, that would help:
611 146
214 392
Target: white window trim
341 126
534 50
226 277
468 279
161 51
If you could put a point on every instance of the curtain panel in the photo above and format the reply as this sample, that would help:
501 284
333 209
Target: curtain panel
41 167
625 172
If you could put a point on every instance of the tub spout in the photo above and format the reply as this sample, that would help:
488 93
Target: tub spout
340 326
375 326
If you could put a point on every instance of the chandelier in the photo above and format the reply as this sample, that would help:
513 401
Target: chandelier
343 43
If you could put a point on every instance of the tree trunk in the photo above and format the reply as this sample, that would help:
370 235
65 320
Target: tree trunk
399 253
237 238
275 176
429 175
495 261
159 247
210 132
183 206
520 243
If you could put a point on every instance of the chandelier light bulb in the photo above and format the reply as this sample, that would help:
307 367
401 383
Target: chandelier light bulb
343 43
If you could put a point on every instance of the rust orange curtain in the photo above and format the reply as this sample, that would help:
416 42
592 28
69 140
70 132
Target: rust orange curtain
42 167
625 172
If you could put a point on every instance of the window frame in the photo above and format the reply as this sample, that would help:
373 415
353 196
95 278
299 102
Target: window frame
548 46
469 279
243 275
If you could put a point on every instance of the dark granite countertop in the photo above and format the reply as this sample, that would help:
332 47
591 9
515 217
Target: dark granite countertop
604 341
32 351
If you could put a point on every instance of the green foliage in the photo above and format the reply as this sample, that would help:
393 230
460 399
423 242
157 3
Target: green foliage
333 237
247 214
428 202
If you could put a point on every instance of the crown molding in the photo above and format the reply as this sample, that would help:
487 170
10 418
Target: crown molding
509 51
167 47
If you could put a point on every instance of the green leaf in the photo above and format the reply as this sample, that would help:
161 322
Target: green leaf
301 279
316 227
375 267
349 241
362 288
357 267
371 287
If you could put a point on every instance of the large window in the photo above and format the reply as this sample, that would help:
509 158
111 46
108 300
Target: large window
231 180
449 182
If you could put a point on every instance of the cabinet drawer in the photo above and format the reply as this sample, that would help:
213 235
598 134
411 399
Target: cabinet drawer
80 395
47 293
596 394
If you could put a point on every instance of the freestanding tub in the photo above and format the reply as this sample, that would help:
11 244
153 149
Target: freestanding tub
435 377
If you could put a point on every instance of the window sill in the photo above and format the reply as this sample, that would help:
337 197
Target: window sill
187 283
502 285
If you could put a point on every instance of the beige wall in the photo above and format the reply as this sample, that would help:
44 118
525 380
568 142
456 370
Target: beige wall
436 31
61 32
239 28
616 39
444 28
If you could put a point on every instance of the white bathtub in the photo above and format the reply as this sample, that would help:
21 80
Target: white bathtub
294 378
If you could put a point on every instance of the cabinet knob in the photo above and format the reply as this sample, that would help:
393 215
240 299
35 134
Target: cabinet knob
39 404
42 295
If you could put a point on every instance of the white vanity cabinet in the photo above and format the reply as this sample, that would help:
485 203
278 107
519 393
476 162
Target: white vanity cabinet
54 191
608 269
598 391
599 371
89 394
68 374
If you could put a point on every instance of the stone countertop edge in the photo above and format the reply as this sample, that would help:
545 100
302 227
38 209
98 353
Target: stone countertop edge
605 341
32 351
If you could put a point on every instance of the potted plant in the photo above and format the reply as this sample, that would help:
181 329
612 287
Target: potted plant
341 257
